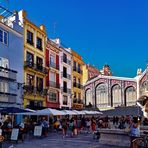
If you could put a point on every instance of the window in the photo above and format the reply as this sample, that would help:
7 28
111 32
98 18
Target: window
65 87
74 65
65 100
30 58
79 69
3 87
52 76
52 58
64 58
79 83
79 96
39 84
74 81
39 43
3 37
30 80
29 37
64 72
75 95
52 96
39 63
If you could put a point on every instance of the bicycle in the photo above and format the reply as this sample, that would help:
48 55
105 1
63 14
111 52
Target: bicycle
141 142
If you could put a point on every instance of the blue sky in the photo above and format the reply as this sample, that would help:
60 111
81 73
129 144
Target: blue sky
102 31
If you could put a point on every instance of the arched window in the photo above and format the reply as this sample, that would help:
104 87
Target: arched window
130 96
88 96
143 88
116 95
101 96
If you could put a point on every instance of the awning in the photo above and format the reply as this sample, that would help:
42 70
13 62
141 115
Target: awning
70 112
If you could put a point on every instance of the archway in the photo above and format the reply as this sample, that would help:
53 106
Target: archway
130 96
101 95
116 95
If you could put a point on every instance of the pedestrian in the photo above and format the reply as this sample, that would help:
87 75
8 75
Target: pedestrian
71 127
64 127
134 130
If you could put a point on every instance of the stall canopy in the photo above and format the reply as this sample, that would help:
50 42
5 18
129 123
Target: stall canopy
50 111
92 112
70 112
12 110
79 112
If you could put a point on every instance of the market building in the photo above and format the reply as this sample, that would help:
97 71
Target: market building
77 76
105 92
35 69
11 60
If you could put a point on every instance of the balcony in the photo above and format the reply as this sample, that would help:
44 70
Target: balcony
28 89
77 85
36 67
65 60
65 75
7 74
8 97
76 69
78 101
54 65
30 42
66 90
53 84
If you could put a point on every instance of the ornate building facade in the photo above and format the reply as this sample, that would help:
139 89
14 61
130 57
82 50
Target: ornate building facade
52 79
106 92
77 75
34 63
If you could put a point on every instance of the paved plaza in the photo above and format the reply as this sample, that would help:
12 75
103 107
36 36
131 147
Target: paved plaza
55 140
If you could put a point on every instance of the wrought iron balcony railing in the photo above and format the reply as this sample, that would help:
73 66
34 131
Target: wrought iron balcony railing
53 84
77 85
28 89
79 101
36 67
66 90
54 65
65 60
65 75
77 69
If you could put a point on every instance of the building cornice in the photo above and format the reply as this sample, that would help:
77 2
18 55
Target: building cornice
110 77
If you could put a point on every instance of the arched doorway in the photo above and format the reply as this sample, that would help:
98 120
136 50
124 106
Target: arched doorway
88 97
116 95
101 96
130 96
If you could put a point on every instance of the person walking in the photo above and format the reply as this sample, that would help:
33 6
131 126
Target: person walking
64 127
134 131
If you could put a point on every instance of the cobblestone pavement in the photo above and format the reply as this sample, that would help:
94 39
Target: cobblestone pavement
55 140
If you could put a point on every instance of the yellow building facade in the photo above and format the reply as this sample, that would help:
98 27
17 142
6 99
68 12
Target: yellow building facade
34 63
77 88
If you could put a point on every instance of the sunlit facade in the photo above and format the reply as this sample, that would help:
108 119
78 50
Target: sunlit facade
107 92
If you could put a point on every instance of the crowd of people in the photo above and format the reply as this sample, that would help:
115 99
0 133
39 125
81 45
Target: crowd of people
71 125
